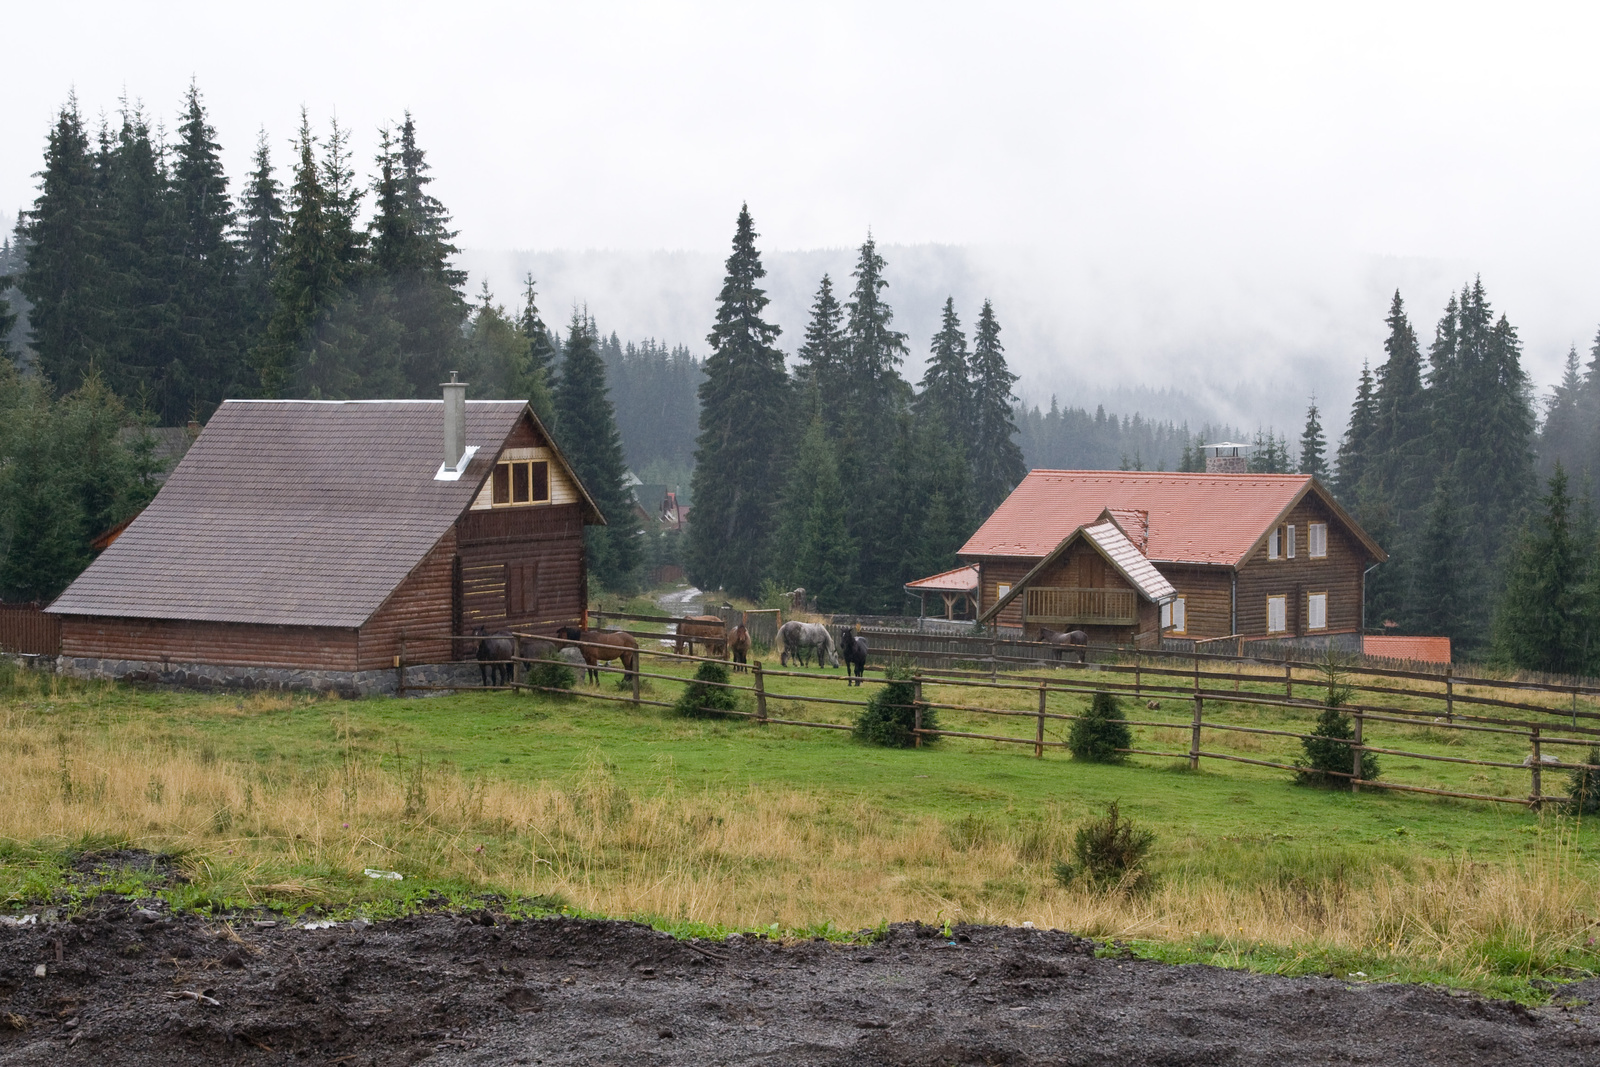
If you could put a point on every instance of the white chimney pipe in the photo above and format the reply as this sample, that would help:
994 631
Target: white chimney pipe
455 421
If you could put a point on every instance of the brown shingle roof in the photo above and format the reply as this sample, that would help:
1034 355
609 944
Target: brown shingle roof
1191 518
292 511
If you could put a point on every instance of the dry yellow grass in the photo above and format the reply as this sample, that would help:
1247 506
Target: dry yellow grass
754 857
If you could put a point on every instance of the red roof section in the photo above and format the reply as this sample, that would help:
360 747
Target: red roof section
1193 518
960 580
1421 649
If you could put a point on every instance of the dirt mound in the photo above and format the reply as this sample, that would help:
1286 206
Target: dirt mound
128 985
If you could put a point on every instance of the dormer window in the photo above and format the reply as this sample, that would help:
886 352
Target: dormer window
521 482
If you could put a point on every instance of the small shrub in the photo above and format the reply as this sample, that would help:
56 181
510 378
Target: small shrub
551 673
891 715
701 700
1097 736
1109 853
1325 751
1583 787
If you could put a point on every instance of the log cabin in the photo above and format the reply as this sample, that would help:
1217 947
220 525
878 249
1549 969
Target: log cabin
309 544
1258 555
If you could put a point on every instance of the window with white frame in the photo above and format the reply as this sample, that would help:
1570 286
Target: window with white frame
1272 544
1288 549
1001 590
1277 614
1180 616
1318 536
1317 611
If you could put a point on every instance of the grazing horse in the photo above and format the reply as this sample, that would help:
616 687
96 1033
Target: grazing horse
796 636
739 645
597 645
853 648
1077 639
495 666
709 630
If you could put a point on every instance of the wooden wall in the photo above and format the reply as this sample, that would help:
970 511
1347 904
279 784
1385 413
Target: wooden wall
225 643
419 612
1338 575
521 566
992 572
1207 598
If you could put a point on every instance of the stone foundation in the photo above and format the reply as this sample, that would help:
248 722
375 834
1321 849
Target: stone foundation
222 676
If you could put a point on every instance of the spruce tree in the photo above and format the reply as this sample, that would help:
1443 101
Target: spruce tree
1313 446
1540 623
997 464
745 411
1442 573
587 431
306 276
262 225
541 363
872 390
62 240
1562 439
946 400
1357 440
823 555
495 356
822 356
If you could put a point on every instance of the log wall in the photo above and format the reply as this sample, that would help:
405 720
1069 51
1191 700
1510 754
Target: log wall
185 641
1338 575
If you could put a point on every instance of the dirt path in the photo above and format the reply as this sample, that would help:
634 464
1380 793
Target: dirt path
458 990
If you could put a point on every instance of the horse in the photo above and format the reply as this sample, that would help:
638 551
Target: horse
709 630
1062 641
739 645
795 636
597 645
853 648
495 666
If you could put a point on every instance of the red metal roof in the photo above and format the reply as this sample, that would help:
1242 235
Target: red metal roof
1193 518
1422 649
960 580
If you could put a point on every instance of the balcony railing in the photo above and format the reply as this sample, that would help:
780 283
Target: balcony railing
1081 607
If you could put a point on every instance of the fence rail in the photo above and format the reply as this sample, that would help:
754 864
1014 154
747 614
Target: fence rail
1168 676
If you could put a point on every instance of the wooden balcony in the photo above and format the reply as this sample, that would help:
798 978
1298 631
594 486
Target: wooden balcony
1080 607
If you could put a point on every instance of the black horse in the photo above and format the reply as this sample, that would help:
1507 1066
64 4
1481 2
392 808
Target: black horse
853 651
495 666
1072 639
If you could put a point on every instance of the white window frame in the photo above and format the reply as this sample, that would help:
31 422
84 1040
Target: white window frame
1180 616
1317 540
1000 591
1272 544
1280 605
1316 603
1289 544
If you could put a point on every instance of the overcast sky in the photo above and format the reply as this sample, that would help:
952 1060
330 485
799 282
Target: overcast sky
1212 196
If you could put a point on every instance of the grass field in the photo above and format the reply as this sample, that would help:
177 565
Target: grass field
605 809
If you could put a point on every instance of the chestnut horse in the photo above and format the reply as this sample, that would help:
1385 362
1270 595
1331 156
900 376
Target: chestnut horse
597 645
1077 639
739 645
709 630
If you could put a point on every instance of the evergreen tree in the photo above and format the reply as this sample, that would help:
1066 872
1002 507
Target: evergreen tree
871 388
1396 453
1442 574
1562 439
495 357
262 225
541 354
587 429
1540 624
61 235
1269 454
946 399
822 357
1313 446
997 464
1357 440
744 412
823 554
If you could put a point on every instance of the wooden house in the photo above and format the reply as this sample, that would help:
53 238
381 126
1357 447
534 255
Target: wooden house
310 543
1258 555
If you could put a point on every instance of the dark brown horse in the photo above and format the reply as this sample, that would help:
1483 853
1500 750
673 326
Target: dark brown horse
597 645
1077 639
739 645
853 650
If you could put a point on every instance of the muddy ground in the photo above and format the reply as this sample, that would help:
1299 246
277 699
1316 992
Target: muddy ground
116 985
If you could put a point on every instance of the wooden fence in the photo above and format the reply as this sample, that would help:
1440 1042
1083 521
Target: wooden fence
1450 704
26 629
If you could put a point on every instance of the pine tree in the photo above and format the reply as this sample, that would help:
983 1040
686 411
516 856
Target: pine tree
1357 440
997 464
62 239
1269 454
262 226
539 366
872 390
822 357
587 429
745 410
495 357
823 555
1395 452
1313 446
1441 574
1540 623
946 400
1562 439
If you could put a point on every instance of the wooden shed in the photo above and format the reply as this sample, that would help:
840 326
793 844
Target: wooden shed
308 543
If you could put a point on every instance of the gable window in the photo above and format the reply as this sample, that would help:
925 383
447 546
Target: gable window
1317 611
1319 540
521 482
1273 544
1174 616
1277 614
1288 544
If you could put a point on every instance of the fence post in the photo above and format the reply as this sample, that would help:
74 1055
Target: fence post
1038 737
1197 667
1574 707
761 694
916 705
994 661
1449 695
1355 754
1288 681
637 667
1137 678
1194 734
1538 759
